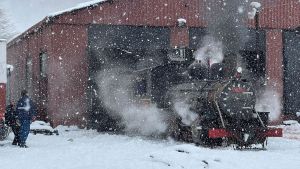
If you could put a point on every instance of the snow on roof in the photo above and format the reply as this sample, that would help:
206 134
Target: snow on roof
79 6
255 7
37 26
181 20
10 67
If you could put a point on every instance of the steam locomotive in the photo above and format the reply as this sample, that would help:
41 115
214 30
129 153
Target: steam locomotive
224 103
220 96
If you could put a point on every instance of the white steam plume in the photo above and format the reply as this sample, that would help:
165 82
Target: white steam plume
116 89
211 50
183 110
269 101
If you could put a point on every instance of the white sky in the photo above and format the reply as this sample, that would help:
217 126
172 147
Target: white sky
25 13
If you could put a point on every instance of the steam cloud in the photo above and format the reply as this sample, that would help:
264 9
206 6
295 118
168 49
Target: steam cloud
183 110
115 88
269 101
211 50
227 30
227 23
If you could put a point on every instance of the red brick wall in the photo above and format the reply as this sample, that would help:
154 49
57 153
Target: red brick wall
274 62
64 88
142 12
16 56
68 74
18 53
179 37
280 14
65 43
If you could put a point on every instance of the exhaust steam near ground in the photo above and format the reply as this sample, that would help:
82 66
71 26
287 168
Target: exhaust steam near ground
115 90
269 101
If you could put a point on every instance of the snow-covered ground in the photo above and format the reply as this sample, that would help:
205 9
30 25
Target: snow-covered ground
87 149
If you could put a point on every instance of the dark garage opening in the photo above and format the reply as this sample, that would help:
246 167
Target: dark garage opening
133 49
291 54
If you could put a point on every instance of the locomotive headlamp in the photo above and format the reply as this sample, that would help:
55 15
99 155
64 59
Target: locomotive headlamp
239 69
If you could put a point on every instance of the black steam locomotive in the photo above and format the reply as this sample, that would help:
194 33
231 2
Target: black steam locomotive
219 96
224 103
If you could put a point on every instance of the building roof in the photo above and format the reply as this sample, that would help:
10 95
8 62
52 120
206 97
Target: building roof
77 7
35 28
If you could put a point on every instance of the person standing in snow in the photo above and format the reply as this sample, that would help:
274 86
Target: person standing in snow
26 114
11 119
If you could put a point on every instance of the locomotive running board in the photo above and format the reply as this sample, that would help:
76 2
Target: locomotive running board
223 133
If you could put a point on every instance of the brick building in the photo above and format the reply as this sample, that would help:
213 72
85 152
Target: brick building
53 60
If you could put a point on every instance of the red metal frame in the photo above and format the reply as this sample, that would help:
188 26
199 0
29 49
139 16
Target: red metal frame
222 133
272 132
238 90
219 133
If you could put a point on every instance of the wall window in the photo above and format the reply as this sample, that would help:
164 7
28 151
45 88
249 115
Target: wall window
43 64
28 74
177 54
8 84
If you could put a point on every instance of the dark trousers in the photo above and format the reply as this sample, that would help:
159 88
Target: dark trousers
16 131
24 130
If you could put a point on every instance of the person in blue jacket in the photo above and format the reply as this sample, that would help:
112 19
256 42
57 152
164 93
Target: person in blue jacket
26 114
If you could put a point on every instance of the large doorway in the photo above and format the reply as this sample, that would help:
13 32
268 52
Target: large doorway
291 54
117 53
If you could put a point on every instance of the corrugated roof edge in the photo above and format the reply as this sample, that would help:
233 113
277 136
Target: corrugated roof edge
48 19
77 7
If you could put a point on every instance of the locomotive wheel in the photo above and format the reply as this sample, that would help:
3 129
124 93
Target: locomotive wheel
181 132
264 144
204 140
253 139
200 134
